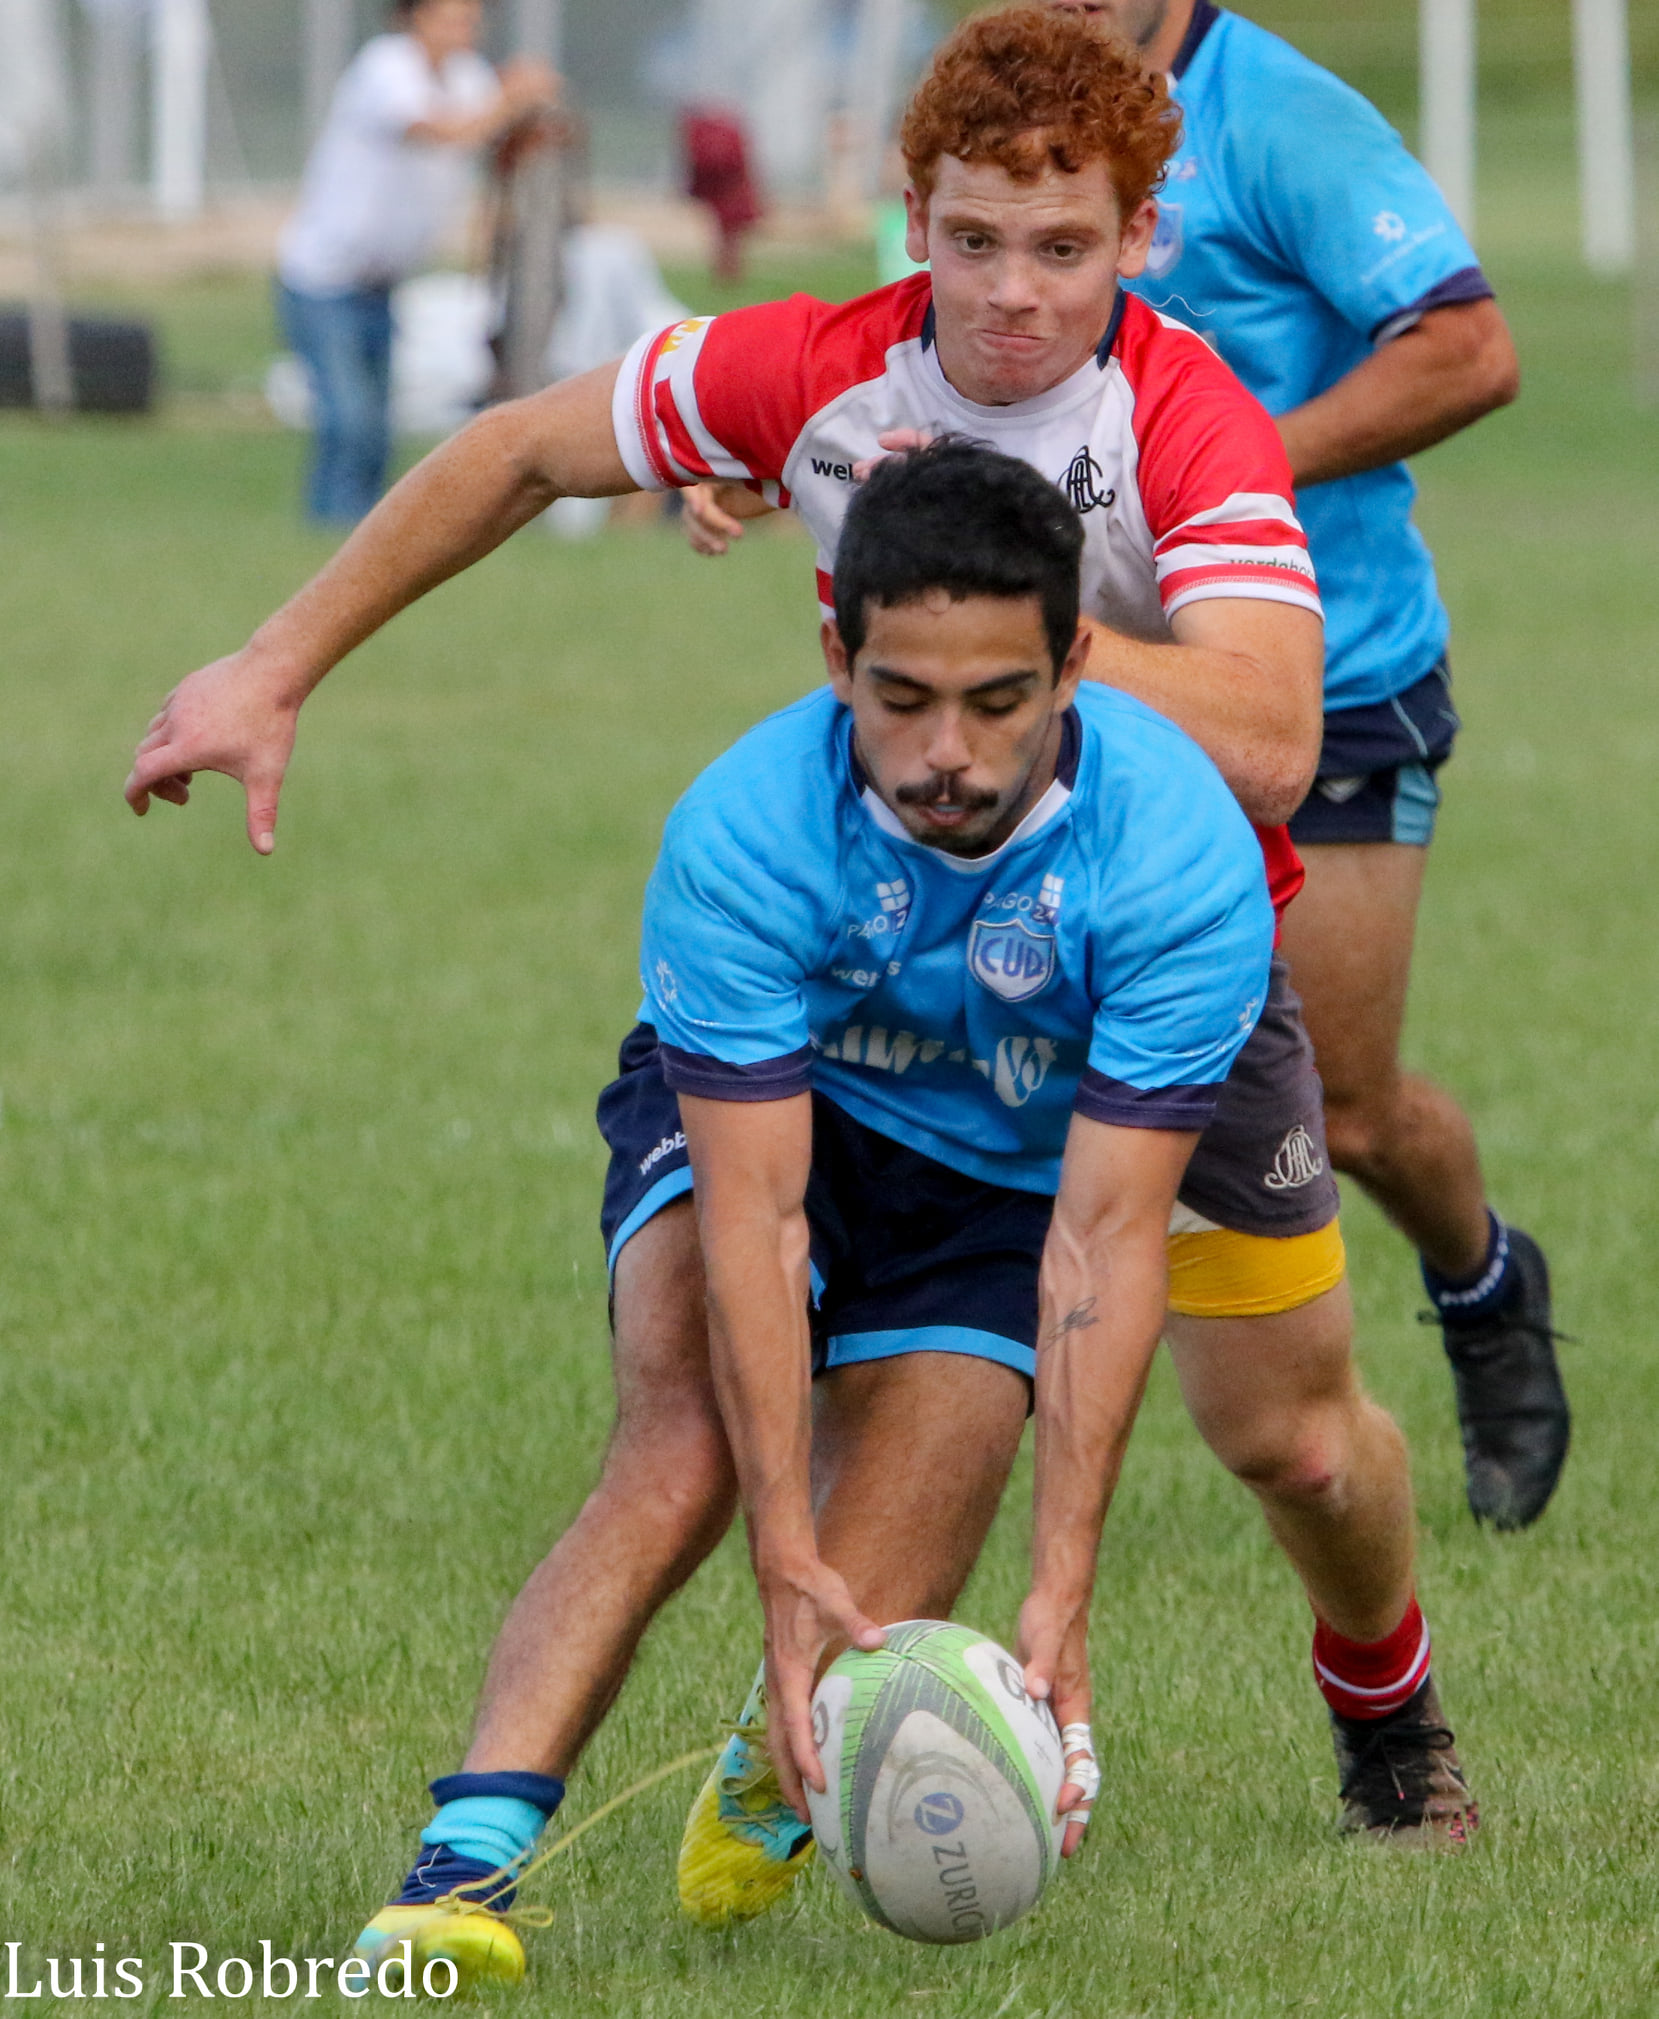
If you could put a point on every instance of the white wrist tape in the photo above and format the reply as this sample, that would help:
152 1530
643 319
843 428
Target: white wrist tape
1082 1768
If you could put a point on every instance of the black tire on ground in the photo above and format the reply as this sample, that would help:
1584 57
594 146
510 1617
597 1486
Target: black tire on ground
112 364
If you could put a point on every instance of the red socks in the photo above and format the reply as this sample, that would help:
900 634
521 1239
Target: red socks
1372 1679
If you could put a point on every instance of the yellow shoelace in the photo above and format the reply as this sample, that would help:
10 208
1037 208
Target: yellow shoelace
516 1871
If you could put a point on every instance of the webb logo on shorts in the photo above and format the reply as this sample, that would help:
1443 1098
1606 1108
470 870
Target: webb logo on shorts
1006 954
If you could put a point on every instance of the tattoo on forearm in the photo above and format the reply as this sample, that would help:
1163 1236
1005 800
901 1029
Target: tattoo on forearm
1079 1319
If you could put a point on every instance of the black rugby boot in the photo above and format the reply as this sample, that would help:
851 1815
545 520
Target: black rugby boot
1401 1780
1511 1406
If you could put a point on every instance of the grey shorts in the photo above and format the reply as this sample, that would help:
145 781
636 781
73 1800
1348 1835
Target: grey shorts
1261 1167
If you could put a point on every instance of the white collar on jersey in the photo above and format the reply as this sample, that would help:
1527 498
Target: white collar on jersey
1047 810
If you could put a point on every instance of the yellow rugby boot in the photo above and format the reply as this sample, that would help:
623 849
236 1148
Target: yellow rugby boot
482 1947
744 1846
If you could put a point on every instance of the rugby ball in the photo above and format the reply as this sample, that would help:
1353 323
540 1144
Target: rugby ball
941 1777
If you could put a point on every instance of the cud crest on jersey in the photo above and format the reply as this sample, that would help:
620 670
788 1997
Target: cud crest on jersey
1008 958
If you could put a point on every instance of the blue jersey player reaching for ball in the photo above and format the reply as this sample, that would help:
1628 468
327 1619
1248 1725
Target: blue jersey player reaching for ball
944 970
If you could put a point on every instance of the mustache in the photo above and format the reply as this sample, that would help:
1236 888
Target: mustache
945 789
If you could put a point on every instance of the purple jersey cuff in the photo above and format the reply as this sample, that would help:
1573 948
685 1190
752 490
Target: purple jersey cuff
1126 1107
1467 284
718 1080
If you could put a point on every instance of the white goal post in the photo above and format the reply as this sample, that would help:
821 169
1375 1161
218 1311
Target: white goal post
1448 79
182 50
1446 101
1606 137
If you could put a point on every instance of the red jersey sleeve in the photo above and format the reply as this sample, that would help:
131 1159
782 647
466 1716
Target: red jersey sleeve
1215 483
728 397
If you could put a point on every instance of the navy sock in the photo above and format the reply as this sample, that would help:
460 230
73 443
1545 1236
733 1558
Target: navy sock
484 1822
1471 1300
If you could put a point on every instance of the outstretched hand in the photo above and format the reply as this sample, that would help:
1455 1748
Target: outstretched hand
807 1607
1054 1646
225 717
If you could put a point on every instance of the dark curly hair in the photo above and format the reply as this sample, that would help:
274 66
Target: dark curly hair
1034 86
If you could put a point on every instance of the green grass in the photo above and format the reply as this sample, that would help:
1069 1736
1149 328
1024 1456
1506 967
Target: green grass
303 1302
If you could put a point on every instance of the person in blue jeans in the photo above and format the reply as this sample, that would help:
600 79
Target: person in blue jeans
344 340
388 170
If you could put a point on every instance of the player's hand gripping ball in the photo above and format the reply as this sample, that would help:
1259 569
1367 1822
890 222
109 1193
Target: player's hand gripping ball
941 1779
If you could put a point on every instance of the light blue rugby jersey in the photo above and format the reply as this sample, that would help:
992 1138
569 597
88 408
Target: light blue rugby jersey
1112 954
1296 233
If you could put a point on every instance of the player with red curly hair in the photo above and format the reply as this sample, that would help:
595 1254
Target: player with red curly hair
1034 148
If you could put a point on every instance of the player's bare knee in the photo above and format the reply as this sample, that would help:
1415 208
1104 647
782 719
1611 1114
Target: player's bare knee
1306 1473
670 1460
1302 1455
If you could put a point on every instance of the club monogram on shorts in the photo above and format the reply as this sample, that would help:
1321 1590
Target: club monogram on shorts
1297 1164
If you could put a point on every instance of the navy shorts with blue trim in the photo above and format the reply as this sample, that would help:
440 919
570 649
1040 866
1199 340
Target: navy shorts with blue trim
1377 768
908 1256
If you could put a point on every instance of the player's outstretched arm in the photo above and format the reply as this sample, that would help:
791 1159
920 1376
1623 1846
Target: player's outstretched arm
1244 678
751 1160
1102 1294
237 715
1446 372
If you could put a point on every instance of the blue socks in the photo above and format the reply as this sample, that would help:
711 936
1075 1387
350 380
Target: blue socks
1476 1298
484 1821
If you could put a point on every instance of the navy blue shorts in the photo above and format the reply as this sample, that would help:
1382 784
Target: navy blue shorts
1377 768
908 1256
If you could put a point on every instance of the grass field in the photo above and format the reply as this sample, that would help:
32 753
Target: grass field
304 1309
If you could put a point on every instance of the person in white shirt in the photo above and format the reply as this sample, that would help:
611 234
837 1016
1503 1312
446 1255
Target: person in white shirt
386 174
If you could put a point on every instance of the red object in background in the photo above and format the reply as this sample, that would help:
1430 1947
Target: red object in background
717 173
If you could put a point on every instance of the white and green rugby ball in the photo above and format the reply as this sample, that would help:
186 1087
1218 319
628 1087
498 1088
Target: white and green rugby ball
941 1779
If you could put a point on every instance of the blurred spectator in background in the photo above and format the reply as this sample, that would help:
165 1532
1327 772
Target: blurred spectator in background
717 173
388 171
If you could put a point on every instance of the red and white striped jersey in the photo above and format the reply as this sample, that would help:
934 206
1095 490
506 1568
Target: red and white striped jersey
1178 473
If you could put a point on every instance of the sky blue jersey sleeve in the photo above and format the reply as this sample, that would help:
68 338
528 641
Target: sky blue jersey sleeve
728 939
1178 996
1335 191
